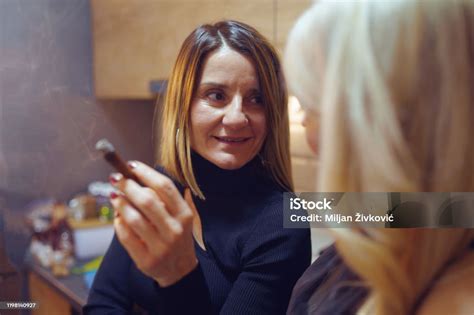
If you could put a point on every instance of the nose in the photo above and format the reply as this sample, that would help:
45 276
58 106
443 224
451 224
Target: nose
235 117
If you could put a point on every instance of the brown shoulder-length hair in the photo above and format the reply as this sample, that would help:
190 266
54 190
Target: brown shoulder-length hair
182 85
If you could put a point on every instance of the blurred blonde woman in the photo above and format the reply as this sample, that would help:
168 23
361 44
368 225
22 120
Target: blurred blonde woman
389 88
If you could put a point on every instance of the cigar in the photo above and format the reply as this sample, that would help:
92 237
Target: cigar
111 156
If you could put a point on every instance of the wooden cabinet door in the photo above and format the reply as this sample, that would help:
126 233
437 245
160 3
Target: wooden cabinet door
49 301
135 41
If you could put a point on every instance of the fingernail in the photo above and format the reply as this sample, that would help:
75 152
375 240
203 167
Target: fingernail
113 195
132 164
115 178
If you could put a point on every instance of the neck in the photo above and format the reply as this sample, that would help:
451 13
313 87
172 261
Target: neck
213 179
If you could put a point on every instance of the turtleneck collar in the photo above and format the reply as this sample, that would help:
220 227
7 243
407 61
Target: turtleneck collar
213 179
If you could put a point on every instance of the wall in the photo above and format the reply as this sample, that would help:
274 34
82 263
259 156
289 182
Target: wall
50 119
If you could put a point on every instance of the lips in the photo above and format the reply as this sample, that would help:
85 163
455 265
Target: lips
232 139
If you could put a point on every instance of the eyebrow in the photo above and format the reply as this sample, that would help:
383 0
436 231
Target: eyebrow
214 84
223 86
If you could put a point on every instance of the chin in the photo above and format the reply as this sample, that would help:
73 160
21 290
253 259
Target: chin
229 161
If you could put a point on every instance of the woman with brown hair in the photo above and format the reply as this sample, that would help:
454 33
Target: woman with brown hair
222 248
388 88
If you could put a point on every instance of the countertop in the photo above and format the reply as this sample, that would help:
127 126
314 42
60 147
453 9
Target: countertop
72 288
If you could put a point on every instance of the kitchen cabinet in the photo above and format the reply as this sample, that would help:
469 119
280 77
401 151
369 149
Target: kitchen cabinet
51 301
136 41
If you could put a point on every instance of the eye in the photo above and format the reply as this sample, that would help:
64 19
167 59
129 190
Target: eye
256 99
216 96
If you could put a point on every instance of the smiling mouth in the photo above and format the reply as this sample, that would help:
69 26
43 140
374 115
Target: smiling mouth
235 140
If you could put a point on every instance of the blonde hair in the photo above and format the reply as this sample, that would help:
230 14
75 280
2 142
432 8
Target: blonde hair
175 144
393 81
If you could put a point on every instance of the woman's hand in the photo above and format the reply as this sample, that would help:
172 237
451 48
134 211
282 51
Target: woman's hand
154 224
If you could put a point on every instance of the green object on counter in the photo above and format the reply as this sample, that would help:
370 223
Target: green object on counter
106 213
89 266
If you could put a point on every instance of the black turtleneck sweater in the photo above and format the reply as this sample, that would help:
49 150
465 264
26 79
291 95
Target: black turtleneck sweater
250 264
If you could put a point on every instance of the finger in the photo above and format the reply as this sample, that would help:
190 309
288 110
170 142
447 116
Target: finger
139 224
146 200
132 244
163 186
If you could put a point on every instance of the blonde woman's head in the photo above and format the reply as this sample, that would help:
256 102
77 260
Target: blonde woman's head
392 83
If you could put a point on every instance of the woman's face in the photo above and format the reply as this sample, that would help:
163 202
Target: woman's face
228 122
